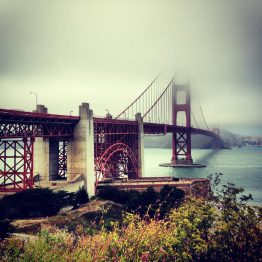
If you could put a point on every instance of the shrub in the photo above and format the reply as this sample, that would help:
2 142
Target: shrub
33 203
5 229
195 231
80 197
170 197
39 202
148 202
114 194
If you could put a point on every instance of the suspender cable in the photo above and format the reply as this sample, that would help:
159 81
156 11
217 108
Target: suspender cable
167 88
203 115
139 97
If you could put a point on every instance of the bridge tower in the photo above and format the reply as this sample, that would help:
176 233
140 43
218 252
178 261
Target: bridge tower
181 140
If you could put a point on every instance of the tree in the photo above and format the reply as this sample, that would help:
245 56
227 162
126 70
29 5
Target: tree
170 197
237 232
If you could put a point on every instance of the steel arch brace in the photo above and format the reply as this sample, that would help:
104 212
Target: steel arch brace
103 162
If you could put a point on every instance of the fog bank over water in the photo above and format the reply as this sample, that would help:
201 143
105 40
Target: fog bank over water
99 51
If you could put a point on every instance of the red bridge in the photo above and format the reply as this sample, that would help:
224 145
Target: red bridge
65 147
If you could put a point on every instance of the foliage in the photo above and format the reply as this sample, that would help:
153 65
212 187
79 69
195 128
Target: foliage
170 197
136 240
148 202
5 229
114 194
80 197
238 231
39 202
195 230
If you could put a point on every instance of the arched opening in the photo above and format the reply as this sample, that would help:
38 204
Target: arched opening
118 160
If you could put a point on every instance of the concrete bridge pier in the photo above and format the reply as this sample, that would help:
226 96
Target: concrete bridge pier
46 154
41 151
41 158
140 155
80 154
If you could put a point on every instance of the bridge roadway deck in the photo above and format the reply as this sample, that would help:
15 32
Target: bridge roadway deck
156 128
33 119
17 116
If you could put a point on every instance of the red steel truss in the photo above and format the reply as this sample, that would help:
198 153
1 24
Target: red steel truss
16 164
182 144
17 124
116 148
17 131
62 159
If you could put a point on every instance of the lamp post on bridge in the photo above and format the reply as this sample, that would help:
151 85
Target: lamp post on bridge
34 93
108 114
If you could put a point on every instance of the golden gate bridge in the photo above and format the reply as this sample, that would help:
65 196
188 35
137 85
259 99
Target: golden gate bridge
64 147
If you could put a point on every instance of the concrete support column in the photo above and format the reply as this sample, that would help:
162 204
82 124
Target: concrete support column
141 166
80 154
41 151
41 158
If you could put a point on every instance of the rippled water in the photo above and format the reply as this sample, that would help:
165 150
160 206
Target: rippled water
242 166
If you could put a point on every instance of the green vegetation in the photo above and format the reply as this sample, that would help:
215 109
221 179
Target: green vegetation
39 202
195 230
148 202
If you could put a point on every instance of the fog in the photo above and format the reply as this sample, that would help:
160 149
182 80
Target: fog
106 53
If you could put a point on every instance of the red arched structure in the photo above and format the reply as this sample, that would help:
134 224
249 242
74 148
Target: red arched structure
118 159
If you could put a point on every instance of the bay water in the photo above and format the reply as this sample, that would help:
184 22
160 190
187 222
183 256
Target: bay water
241 166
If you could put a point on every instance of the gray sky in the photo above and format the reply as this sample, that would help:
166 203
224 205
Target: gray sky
106 52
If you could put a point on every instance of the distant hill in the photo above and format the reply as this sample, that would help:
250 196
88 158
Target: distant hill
198 141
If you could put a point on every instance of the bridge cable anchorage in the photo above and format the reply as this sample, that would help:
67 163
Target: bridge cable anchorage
138 105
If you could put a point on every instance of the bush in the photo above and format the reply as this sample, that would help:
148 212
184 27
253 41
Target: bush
39 202
149 201
80 197
5 229
114 194
33 203
195 231
170 197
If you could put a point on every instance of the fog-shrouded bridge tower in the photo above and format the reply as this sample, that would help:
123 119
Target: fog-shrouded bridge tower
181 141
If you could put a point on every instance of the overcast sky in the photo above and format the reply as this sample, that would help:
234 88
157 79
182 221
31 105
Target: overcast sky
106 53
